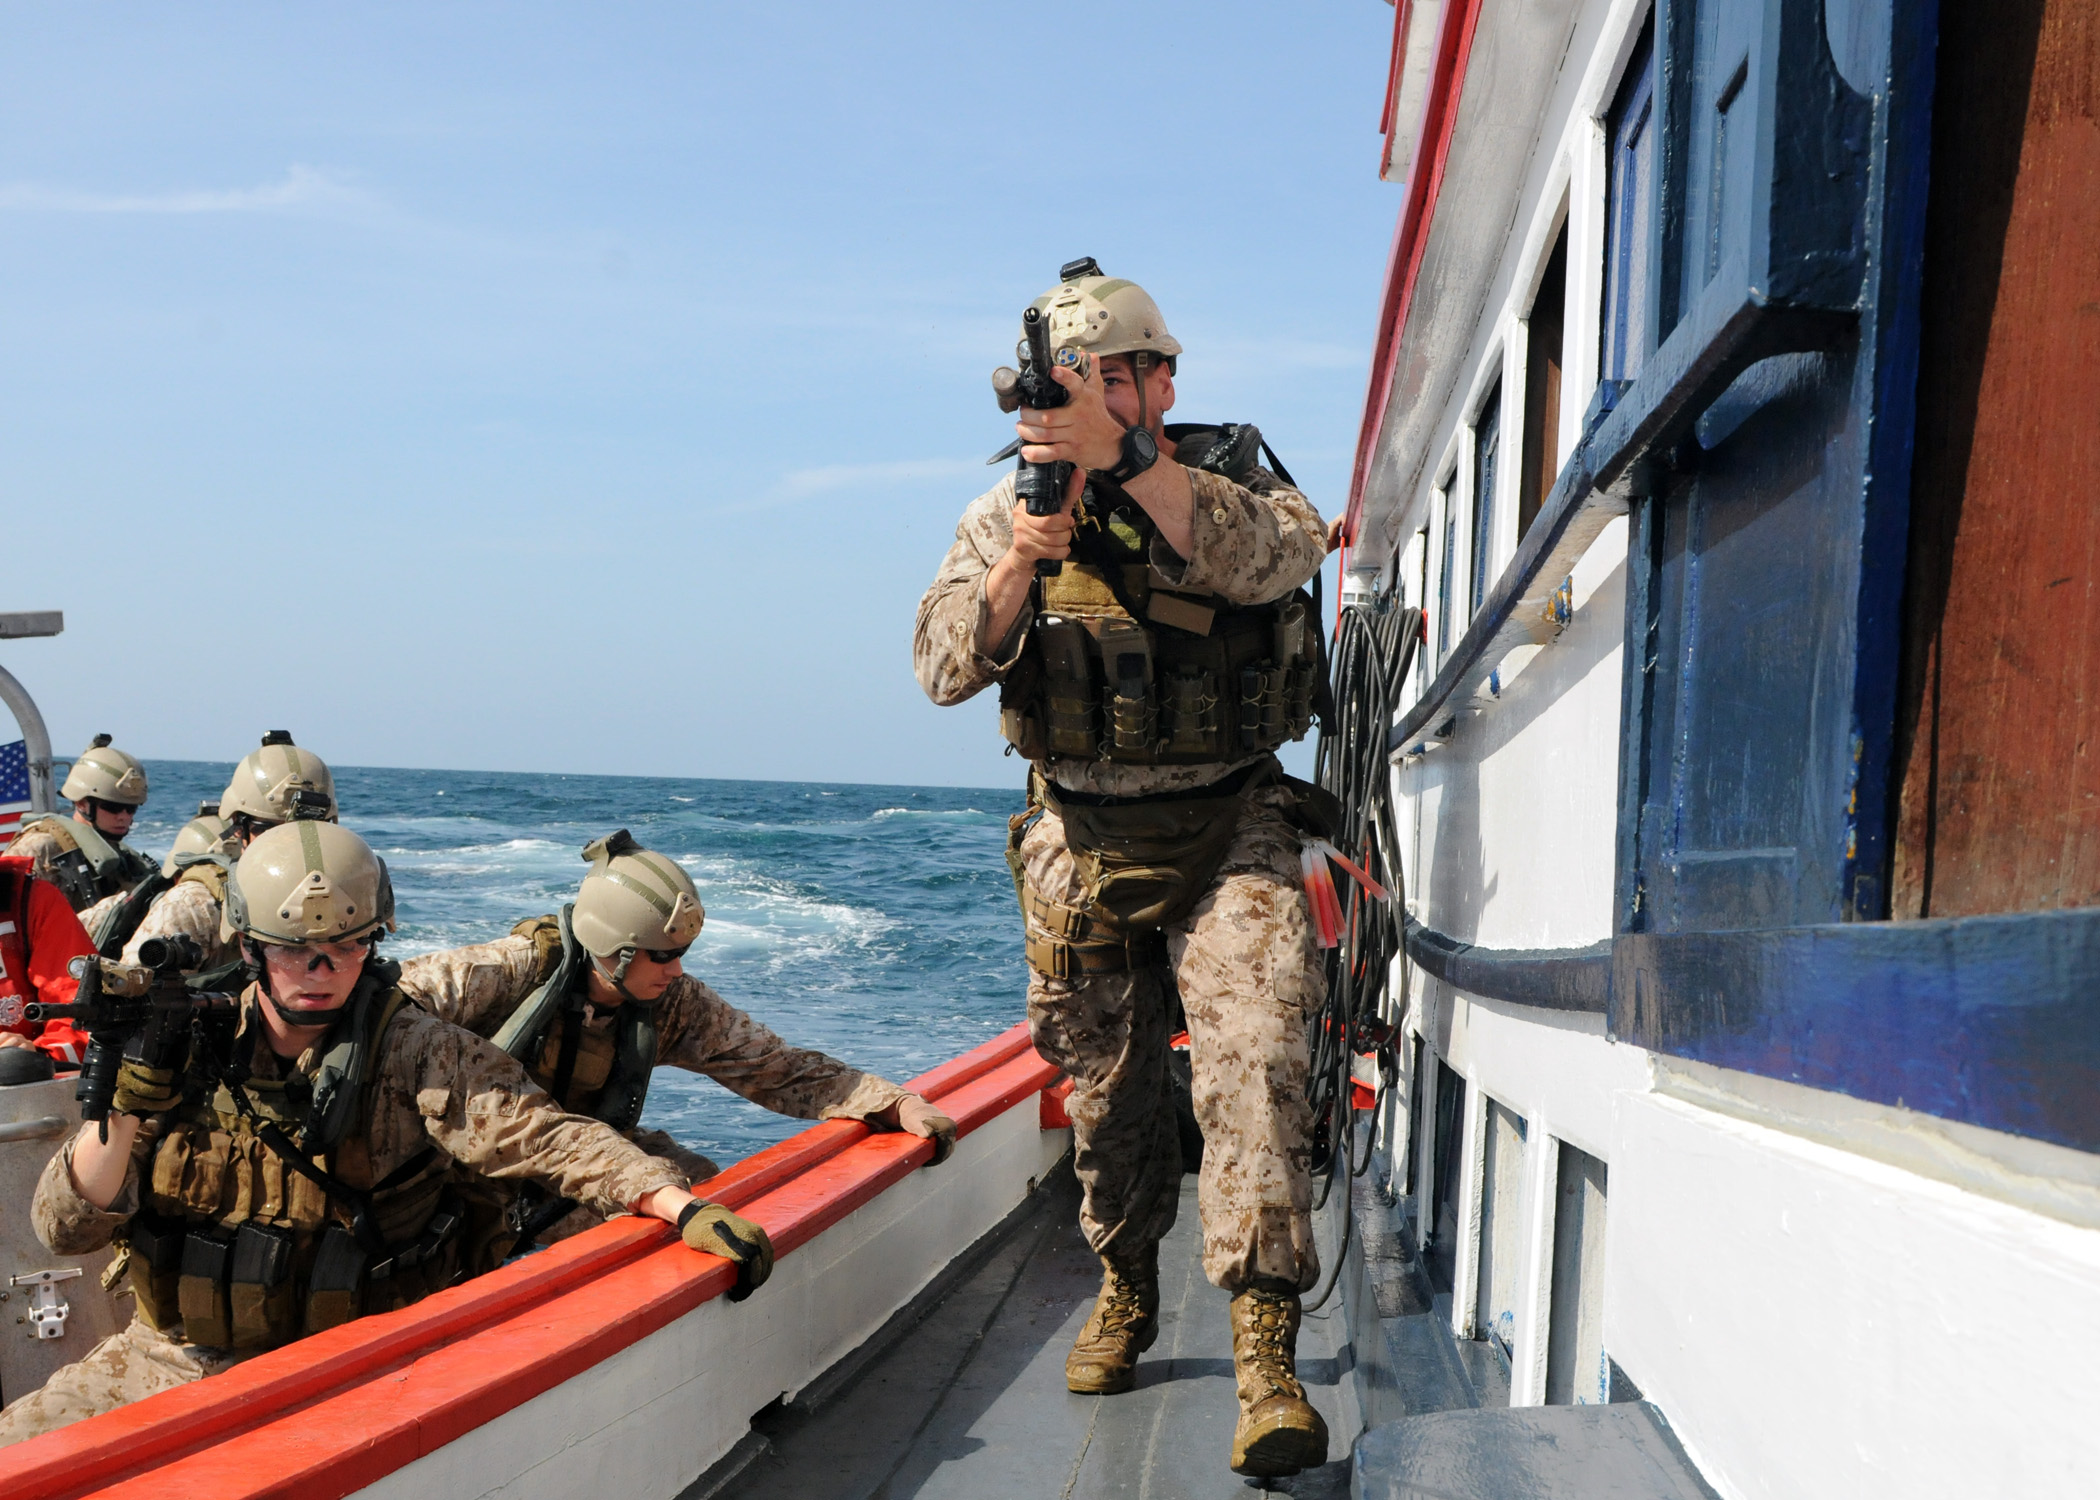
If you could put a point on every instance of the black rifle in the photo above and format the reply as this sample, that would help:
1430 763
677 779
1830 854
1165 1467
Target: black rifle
1040 486
143 1013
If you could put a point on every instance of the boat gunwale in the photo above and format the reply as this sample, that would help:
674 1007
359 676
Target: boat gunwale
230 1432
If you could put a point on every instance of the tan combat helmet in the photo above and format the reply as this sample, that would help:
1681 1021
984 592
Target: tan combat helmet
201 835
279 783
1104 315
633 900
308 882
106 774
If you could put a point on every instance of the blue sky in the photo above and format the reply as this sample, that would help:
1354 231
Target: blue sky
594 389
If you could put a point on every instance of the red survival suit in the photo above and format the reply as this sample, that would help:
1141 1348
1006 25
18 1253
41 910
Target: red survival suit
39 936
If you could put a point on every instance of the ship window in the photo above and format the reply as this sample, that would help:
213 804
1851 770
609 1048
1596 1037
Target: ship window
1446 1175
1447 572
1487 449
1577 1372
1501 1228
1542 359
1628 258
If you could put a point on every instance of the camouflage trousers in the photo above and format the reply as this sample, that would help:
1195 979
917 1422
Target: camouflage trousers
135 1362
1249 976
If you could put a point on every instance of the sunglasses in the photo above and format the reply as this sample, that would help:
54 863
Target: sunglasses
665 955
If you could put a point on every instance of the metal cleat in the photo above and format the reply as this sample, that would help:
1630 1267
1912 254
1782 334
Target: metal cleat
47 1309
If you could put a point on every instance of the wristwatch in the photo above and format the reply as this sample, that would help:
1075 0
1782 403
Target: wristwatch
1140 453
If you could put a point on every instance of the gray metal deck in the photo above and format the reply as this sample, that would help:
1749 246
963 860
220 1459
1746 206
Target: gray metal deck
963 1396
971 1403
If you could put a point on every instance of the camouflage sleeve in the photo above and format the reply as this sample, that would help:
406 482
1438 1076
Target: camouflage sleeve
477 986
441 1083
66 1222
700 1031
91 915
36 845
184 909
950 651
1253 542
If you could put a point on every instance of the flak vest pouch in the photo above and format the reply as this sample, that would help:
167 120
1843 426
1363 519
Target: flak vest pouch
335 1291
1119 669
153 1251
261 1296
204 1292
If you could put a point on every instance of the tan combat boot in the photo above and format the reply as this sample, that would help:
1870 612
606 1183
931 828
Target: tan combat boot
1279 1432
1124 1323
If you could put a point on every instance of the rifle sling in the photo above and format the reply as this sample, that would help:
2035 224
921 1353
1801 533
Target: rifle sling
357 1200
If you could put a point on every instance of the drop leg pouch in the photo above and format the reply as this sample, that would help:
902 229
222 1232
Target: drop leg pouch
1146 861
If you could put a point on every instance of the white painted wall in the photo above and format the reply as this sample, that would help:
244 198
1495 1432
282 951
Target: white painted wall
1817 1324
1514 818
1820 1326
655 1416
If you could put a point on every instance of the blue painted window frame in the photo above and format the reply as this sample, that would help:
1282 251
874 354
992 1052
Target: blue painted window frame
1624 331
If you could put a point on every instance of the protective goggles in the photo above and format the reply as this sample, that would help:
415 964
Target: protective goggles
340 954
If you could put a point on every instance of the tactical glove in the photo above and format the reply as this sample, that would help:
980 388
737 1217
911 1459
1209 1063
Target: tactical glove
714 1230
923 1120
142 1090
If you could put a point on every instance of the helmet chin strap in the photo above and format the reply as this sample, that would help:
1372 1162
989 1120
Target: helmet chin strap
617 977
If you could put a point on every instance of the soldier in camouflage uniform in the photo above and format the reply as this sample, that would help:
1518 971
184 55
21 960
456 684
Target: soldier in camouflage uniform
85 856
277 783
593 998
1148 681
300 1170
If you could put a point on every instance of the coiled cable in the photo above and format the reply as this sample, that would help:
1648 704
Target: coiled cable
1374 648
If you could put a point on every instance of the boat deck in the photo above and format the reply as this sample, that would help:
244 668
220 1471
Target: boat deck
971 1401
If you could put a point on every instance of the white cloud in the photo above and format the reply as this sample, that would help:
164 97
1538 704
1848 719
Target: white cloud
301 188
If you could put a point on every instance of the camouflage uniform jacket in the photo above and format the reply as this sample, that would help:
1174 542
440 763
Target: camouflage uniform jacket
1253 543
185 909
437 1085
696 1029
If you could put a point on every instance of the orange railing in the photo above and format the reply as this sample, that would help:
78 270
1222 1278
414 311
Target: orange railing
328 1415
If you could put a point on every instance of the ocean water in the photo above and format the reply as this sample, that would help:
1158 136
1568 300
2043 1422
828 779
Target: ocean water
874 923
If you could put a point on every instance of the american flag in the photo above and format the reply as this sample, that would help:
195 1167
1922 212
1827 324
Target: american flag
14 786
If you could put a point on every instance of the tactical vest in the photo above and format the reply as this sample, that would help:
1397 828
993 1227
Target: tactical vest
243 1249
599 1071
88 866
1123 669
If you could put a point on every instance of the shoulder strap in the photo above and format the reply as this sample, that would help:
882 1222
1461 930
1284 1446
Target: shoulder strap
524 1033
101 854
51 824
1276 464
